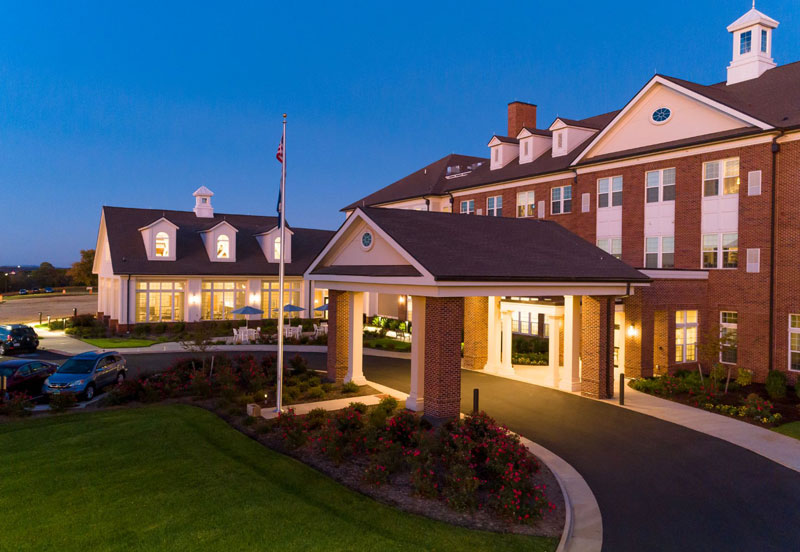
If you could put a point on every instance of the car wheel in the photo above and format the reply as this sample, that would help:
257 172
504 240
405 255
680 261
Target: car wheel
89 393
120 378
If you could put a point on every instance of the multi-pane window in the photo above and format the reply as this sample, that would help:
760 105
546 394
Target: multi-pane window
159 301
686 336
612 246
218 300
725 172
494 206
162 244
609 192
763 40
660 185
727 244
794 342
468 207
223 247
728 326
745 42
526 204
659 252
561 200
270 292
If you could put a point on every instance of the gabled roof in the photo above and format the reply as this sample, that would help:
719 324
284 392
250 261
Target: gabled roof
223 222
160 219
503 140
535 131
475 248
203 191
128 255
586 123
752 17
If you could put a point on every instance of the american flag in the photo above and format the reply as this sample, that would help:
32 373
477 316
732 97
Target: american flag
279 154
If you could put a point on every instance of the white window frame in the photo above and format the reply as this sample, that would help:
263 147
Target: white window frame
612 246
794 329
610 188
722 178
223 252
754 183
494 206
725 327
526 204
660 186
719 251
662 249
166 240
561 202
683 327
148 290
468 207
753 260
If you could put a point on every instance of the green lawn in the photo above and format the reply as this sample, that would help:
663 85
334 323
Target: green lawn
121 342
400 346
178 478
792 429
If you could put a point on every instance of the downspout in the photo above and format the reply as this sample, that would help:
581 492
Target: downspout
776 148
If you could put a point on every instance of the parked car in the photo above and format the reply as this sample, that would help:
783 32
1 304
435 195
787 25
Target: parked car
48 290
23 292
85 374
24 376
16 337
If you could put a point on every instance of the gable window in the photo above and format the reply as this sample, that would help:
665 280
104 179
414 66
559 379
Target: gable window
223 247
277 249
609 192
660 185
727 244
560 140
526 205
468 207
525 148
794 342
728 327
497 154
685 336
763 40
494 206
727 171
162 244
561 200
659 252
612 246
745 42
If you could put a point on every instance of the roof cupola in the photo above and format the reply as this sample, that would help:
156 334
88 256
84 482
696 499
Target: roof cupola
752 46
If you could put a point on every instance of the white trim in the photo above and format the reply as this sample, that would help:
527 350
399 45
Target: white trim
488 188
789 343
657 79
220 223
668 274
165 219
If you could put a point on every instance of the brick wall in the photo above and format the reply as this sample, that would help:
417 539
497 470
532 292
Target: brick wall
597 347
338 335
444 317
476 332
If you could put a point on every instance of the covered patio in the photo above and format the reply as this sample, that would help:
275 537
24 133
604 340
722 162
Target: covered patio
457 269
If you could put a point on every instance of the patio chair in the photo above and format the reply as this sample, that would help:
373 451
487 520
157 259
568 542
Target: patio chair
235 336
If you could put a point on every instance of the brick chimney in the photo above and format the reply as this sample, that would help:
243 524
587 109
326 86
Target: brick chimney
520 114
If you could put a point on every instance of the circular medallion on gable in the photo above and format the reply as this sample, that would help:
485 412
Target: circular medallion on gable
367 240
661 115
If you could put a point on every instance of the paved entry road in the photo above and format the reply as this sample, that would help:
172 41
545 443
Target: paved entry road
660 486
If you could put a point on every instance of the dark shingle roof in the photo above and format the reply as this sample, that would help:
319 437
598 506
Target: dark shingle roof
128 255
506 139
498 248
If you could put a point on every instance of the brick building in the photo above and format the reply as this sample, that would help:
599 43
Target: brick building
692 184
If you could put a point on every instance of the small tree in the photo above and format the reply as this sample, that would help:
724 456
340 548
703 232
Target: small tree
712 348
199 340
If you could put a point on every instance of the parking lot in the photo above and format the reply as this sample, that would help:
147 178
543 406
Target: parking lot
56 306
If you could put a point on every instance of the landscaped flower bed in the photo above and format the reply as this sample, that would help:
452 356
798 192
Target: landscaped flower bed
767 405
472 472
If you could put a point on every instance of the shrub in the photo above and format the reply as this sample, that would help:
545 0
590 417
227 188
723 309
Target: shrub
388 404
316 418
744 377
17 404
160 328
776 384
178 327
797 390
292 431
315 393
328 387
758 409
141 329
298 364
359 407
461 485
341 436
349 387
62 402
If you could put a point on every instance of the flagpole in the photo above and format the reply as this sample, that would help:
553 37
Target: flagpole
279 398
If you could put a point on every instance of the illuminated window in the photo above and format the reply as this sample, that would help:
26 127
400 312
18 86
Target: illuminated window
686 336
794 342
727 171
277 249
218 300
223 247
159 301
526 204
270 293
162 244
728 327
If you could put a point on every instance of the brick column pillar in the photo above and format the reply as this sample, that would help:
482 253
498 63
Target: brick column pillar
660 342
444 319
476 332
338 334
597 347
639 342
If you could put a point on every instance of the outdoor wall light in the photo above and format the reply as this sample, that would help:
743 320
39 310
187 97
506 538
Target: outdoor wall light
401 299
194 299
632 331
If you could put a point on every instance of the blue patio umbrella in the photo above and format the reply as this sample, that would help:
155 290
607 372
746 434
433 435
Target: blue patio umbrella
248 310
322 307
292 308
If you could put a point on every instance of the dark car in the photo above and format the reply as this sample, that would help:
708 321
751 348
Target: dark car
86 373
23 292
48 290
17 337
24 376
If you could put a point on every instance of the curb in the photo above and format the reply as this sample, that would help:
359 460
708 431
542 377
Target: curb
583 526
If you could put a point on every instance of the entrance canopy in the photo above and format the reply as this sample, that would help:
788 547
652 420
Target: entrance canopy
452 255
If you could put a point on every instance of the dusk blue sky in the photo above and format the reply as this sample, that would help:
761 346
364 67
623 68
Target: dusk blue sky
137 103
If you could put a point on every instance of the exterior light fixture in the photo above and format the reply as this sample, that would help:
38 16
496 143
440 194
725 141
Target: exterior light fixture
632 330
401 299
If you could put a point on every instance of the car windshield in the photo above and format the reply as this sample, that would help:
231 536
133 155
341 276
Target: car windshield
7 371
77 366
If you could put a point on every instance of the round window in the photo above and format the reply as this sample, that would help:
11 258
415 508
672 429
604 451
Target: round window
366 240
661 115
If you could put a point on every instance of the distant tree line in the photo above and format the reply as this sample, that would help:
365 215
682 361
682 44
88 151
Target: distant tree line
13 279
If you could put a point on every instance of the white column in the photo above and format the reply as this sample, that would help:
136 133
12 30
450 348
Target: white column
192 312
554 351
571 378
254 297
416 396
355 368
506 368
493 363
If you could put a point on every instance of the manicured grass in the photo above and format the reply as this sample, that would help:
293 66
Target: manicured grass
384 342
792 429
178 478
121 342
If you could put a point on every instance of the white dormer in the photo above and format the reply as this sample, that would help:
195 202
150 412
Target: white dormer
159 239
533 143
567 136
202 203
270 242
752 46
220 242
503 150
